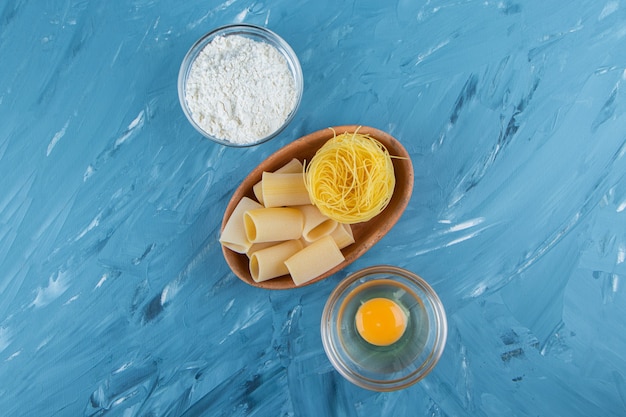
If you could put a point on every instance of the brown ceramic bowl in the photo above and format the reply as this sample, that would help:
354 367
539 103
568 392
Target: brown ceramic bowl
365 234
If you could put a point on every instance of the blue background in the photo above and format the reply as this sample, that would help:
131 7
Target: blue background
114 296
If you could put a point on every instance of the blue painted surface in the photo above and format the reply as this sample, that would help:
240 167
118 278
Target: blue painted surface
115 299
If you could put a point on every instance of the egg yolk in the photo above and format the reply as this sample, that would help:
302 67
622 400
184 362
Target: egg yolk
380 321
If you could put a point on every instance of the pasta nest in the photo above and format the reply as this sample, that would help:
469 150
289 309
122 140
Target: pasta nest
350 178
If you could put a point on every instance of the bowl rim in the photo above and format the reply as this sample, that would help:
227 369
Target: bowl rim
258 33
331 347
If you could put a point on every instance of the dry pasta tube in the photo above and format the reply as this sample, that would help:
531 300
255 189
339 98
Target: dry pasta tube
316 225
273 224
269 263
292 167
258 246
284 190
234 234
257 189
343 235
304 242
319 257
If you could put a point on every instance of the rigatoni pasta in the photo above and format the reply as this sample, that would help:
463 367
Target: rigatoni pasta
343 235
284 190
257 189
258 246
273 224
292 167
269 262
316 225
234 234
317 258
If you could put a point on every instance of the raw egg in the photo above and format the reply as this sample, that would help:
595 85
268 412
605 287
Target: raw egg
380 321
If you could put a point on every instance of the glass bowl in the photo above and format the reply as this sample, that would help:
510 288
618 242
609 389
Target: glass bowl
232 118
400 364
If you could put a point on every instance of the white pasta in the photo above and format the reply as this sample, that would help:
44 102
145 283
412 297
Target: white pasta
258 246
284 190
269 262
314 260
343 235
316 225
234 234
257 189
273 224
292 167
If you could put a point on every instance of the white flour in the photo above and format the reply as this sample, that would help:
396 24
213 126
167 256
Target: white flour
240 90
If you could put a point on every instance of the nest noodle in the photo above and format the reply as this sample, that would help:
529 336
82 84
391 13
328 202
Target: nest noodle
350 178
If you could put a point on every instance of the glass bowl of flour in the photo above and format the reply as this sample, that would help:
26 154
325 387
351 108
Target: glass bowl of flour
240 85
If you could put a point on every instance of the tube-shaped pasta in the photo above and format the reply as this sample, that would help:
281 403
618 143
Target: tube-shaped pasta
312 261
269 262
258 246
234 234
284 190
273 224
292 167
343 235
316 225
257 189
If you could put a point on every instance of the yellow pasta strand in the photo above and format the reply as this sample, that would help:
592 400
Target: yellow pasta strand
351 178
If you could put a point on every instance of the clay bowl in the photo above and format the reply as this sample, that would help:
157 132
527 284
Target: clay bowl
365 234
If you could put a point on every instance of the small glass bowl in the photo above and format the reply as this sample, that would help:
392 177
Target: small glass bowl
401 364
256 33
